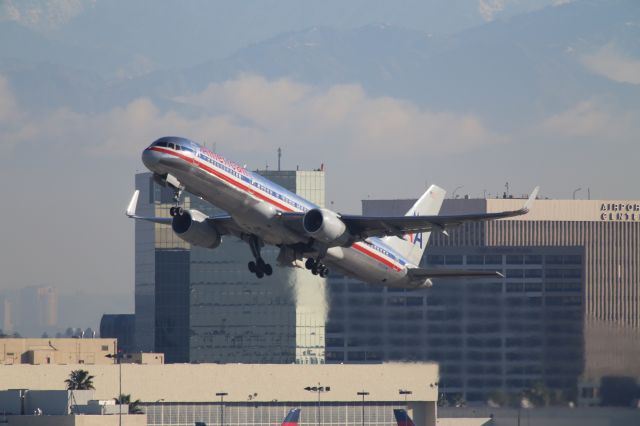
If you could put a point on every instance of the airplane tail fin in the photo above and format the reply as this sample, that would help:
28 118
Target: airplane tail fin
412 245
292 418
402 418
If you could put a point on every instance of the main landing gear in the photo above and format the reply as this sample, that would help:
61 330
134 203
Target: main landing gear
176 210
259 267
316 267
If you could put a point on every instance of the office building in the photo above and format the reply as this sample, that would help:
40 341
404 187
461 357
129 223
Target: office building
566 312
201 305
6 321
35 310
120 327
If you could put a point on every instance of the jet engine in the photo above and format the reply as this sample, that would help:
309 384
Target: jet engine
325 226
192 227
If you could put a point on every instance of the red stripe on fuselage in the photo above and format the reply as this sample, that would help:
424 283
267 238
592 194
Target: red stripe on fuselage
357 246
361 249
224 177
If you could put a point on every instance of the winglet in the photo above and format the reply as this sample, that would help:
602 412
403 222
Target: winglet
131 209
532 197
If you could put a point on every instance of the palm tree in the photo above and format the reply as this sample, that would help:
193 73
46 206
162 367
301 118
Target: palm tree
79 380
134 406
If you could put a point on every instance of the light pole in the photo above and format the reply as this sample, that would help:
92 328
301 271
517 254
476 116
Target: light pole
117 357
318 389
161 410
574 192
363 394
405 393
221 395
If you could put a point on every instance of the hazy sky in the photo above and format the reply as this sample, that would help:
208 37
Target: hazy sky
86 85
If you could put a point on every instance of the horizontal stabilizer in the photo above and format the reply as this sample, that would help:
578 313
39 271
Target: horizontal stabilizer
420 273
131 212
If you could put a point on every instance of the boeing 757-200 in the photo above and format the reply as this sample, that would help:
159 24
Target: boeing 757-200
378 250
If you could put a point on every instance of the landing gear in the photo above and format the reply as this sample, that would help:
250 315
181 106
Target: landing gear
316 267
259 267
176 211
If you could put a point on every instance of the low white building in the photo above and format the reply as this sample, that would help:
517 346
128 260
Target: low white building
254 394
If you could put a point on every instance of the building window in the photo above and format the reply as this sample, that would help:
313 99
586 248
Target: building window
514 259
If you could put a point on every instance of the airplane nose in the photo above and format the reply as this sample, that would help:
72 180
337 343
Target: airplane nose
150 159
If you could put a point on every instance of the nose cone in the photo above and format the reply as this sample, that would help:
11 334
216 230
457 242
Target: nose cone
150 159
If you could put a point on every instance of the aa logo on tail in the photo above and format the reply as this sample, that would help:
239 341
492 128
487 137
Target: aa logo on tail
414 238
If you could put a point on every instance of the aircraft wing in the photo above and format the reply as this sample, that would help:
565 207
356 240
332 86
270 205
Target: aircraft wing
223 223
365 227
420 273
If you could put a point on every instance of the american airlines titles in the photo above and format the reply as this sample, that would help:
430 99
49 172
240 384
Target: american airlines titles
241 173
620 212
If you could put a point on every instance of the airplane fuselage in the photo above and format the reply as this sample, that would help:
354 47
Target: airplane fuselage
255 204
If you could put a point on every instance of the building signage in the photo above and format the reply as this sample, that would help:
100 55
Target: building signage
620 212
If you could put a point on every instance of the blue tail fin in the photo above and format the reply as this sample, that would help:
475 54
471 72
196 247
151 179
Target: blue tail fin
402 418
292 417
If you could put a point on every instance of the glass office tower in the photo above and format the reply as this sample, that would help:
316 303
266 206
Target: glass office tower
201 305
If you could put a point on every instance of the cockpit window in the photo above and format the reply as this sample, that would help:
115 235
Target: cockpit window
164 144
184 148
171 145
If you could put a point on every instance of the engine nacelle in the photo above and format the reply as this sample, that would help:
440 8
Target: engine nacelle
192 227
325 226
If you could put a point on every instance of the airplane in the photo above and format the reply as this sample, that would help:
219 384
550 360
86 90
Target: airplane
378 250
292 418
402 418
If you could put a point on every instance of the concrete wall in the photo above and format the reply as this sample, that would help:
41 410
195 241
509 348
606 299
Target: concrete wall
127 420
200 382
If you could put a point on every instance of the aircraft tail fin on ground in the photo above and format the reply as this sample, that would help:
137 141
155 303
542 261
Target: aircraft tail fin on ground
292 418
412 245
402 418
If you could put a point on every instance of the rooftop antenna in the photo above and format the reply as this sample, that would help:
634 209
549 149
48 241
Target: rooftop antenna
279 156
506 190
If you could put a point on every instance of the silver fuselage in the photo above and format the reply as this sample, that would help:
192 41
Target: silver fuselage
254 203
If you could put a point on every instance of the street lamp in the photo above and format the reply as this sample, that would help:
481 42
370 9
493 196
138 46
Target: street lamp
574 192
319 389
405 393
221 395
117 357
363 394
161 410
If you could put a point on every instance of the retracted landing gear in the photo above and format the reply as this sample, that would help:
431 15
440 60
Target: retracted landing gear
316 267
259 267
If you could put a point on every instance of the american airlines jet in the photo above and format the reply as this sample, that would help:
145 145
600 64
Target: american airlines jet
378 250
